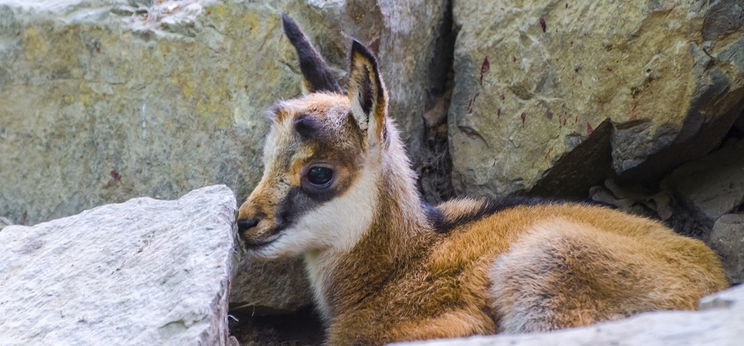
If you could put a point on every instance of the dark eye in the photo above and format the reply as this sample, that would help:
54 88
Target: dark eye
319 176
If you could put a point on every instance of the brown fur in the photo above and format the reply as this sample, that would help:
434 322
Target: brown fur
534 268
520 269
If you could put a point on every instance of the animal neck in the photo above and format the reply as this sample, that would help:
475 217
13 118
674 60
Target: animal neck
396 234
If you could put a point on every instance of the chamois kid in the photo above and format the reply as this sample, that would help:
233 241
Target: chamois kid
337 189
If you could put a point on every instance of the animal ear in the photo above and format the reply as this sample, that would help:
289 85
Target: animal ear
367 94
315 71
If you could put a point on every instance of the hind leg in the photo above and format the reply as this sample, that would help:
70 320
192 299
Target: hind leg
565 274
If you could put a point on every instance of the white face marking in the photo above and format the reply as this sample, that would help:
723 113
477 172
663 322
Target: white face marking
336 225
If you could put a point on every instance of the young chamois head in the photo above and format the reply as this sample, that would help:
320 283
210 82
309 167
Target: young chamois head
322 159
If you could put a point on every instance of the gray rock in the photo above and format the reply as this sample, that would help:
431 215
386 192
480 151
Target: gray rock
727 239
269 287
104 100
535 79
101 102
718 323
143 272
713 185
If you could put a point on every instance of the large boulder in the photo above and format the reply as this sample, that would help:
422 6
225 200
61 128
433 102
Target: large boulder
720 322
143 272
649 84
104 100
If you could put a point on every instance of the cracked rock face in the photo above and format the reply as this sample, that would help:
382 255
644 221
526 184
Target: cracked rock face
534 79
143 272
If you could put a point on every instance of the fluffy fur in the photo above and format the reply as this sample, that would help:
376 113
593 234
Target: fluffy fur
384 267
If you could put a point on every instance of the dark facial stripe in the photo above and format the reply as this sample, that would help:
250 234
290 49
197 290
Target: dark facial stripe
294 205
489 207
299 202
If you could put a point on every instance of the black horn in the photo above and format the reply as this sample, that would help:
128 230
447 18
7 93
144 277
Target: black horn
317 75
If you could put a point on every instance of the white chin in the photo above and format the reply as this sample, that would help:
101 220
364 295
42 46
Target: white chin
263 254
286 244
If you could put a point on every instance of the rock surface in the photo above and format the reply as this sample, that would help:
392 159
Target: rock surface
143 272
712 186
130 98
727 239
720 323
535 79
270 287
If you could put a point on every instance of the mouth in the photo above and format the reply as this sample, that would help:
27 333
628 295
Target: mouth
258 244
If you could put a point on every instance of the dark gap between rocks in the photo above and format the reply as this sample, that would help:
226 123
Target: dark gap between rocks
587 165
433 163
302 327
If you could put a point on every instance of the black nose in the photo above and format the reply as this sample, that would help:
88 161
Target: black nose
246 224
